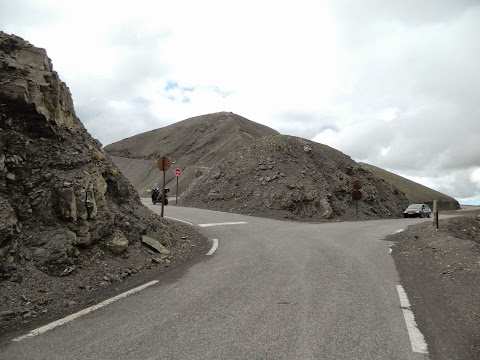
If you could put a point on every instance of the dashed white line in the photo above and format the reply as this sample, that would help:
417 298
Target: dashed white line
63 321
183 221
214 247
416 337
220 224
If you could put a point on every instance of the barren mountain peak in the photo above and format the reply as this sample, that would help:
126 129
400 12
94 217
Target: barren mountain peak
195 144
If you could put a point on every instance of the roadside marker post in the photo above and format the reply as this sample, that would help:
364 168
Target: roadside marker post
177 173
435 214
163 164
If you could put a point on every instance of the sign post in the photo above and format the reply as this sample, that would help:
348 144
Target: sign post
163 164
177 173
357 194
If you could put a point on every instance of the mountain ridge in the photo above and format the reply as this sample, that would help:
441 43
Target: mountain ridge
197 144
194 144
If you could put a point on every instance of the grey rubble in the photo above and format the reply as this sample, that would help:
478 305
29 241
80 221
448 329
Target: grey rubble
286 177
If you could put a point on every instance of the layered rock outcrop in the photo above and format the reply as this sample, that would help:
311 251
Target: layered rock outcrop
59 191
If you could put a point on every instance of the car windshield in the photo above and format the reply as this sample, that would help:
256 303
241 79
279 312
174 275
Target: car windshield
415 206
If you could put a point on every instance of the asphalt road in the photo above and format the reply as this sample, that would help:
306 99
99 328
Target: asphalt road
271 290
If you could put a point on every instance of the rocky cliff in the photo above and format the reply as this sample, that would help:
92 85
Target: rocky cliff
61 198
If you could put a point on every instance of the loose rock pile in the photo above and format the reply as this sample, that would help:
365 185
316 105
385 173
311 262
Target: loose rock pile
286 177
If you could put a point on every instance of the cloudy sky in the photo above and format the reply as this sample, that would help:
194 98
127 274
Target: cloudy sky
392 83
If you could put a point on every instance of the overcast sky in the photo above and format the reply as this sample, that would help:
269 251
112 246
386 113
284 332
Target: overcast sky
392 83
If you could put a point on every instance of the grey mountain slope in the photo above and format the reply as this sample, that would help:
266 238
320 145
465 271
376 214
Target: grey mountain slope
415 193
193 144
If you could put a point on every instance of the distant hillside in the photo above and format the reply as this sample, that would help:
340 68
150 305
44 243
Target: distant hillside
194 144
286 177
415 193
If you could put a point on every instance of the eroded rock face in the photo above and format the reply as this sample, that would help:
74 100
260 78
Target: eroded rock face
59 192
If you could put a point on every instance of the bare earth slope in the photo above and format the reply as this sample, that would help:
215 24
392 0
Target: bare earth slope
70 222
286 177
416 193
193 144
440 271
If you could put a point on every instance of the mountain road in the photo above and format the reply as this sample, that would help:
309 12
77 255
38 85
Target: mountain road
270 290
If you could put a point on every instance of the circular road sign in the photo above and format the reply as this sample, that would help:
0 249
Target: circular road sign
177 172
357 195
357 184
164 163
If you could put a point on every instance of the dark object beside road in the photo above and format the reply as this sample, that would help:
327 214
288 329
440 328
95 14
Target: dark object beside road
420 210
157 196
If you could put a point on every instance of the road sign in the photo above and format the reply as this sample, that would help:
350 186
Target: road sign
177 172
357 195
357 184
164 163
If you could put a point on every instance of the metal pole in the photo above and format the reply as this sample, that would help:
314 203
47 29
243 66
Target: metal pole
163 194
176 195
356 207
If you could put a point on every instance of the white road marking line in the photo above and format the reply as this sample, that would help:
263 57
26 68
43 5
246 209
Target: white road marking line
183 221
63 321
398 231
214 247
225 223
416 337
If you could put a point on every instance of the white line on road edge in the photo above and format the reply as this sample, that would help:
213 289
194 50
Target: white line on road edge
183 221
214 247
63 321
225 223
398 231
416 337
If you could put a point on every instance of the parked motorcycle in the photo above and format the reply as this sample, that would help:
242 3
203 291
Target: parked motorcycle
157 196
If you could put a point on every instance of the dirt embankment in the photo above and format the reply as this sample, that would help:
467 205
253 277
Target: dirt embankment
286 177
440 271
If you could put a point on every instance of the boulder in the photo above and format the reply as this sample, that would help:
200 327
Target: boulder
118 244
155 244
53 250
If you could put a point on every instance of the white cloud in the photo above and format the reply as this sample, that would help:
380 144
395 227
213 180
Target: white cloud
475 176
380 82
388 114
